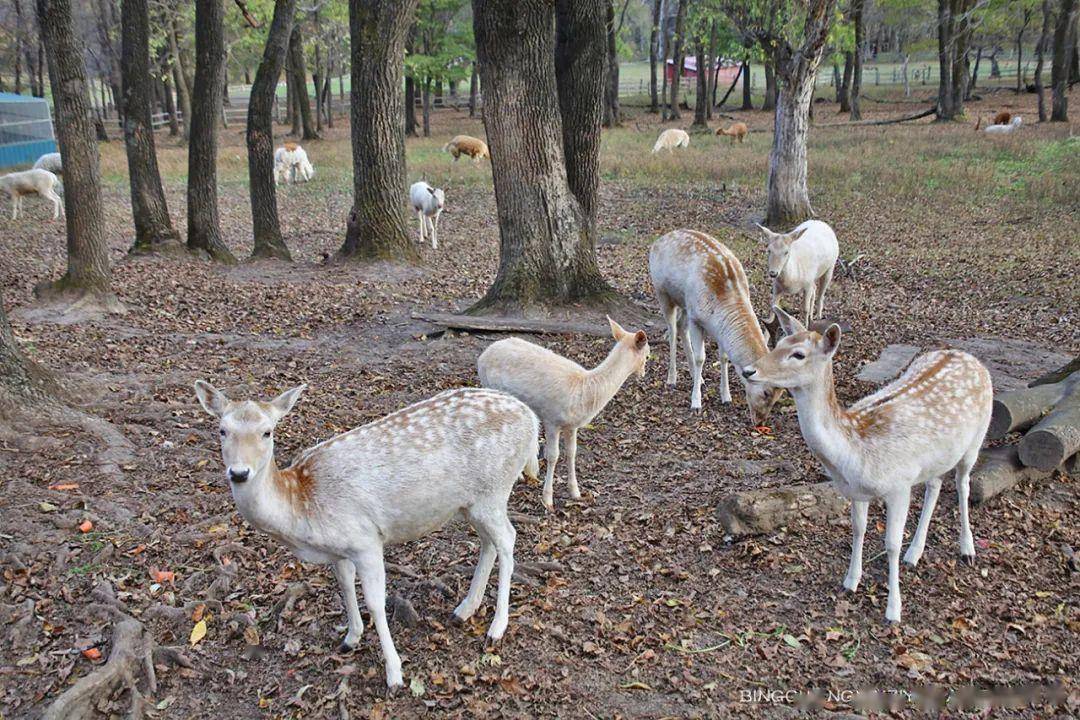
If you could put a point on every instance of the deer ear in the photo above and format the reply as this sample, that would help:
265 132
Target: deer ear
771 327
212 399
831 339
790 325
640 339
793 236
617 331
431 190
765 233
284 402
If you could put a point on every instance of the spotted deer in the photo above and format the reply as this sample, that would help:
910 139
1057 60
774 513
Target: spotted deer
703 292
565 395
396 479
930 420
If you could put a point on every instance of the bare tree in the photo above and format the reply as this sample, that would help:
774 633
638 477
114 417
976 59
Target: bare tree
153 226
1040 57
857 58
204 227
260 136
546 253
1059 71
376 224
88 275
654 50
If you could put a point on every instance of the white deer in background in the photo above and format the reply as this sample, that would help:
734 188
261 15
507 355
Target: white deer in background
802 261
930 420
390 481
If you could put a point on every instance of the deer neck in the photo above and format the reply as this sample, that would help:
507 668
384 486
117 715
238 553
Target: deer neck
604 380
261 501
822 421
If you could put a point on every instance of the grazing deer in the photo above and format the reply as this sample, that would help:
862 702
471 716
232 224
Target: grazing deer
802 261
703 292
735 131
392 480
565 395
670 139
930 420
475 148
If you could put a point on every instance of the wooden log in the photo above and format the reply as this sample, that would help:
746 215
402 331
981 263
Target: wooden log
1019 409
1058 375
494 323
1057 436
760 511
997 470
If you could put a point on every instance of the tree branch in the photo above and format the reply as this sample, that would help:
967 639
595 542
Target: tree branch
247 15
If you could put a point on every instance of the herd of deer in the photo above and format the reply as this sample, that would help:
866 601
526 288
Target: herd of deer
460 452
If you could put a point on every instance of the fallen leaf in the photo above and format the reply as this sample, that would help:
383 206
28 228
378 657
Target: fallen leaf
86 526
635 686
91 653
198 612
792 641
64 486
251 636
162 576
197 633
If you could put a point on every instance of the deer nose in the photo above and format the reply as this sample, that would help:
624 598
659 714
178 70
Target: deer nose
748 372
238 476
773 273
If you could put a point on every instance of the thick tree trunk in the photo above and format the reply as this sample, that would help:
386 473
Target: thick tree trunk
770 86
1040 57
183 89
474 81
974 74
678 53
954 35
260 136
88 271
611 90
654 49
1059 71
546 253
19 49
844 92
945 110
376 225
701 100
426 107
299 73
153 227
747 94
410 106
204 228
23 382
857 58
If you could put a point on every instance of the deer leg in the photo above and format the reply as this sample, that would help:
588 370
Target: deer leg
373 580
859 510
345 572
695 349
484 564
503 535
420 214
896 510
918 543
822 285
963 487
671 315
725 388
808 304
551 455
570 435
435 231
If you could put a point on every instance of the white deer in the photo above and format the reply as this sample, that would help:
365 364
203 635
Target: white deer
392 480
703 292
802 261
930 420
565 395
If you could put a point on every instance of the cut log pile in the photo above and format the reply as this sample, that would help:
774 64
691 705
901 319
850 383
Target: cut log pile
1047 412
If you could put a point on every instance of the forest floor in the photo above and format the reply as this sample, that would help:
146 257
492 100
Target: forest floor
647 610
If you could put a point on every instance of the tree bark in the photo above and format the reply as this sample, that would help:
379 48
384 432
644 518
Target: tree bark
426 107
611 89
153 227
1059 71
410 106
88 271
376 226
769 103
788 198
714 68
1019 409
954 35
473 82
546 252
204 228
974 74
268 241
844 92
747 95
701 101
1040 57
183 89
654 49
299 73
677 58
857 58
22 381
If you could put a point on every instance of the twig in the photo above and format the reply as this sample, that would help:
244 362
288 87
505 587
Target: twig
247 15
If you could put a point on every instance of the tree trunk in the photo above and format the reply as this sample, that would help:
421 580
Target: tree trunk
1040 57
328 97
1059 71
546 251
260 136
410 106
747 95
88 271
714 69
183 90
170 108
376 226
299 73
945 109
677 56
770 86
22 381
204 229
426 107
473 82
845 83
954 35
731 89
857 57
611 91
654 49
1020 52
974 74
701 101
153 227
19 49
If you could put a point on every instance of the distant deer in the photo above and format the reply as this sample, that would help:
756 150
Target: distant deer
565 395
670 139
735 131
392 480
703 292
930 420
802 261
475 148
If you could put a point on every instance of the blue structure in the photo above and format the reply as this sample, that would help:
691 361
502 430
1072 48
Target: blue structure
26 129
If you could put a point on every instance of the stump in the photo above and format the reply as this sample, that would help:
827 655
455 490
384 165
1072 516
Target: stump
760 511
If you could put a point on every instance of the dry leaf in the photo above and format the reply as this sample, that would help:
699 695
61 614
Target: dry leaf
86 526
91 653
197 633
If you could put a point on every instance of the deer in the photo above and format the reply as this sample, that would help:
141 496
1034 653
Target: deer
802 261
395 479
735 131
703 292
930 420
475 148
670 139
32 182
565 395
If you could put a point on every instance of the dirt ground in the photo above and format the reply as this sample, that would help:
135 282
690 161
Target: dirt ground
631 603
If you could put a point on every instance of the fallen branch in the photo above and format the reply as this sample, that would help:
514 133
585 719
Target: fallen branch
494 323
1058 375
907 118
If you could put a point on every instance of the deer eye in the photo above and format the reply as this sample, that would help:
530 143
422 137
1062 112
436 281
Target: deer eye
266 434
797 356
222 432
